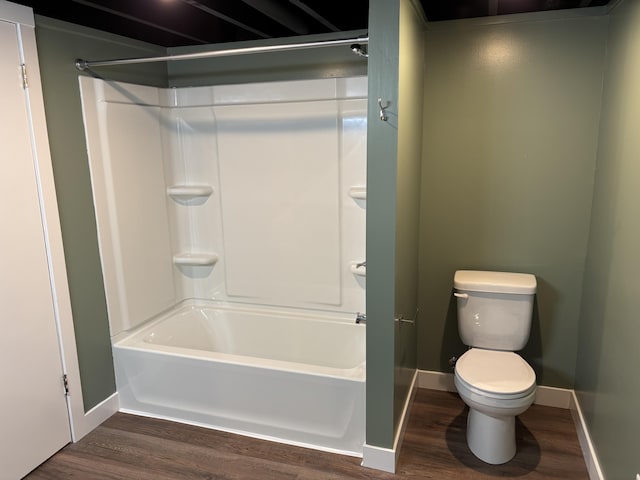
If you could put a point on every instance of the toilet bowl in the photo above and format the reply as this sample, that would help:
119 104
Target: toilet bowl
496 386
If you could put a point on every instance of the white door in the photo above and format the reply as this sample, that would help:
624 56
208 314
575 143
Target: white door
34 422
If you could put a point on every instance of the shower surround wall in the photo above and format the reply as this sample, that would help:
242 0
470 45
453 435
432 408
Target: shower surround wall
250 195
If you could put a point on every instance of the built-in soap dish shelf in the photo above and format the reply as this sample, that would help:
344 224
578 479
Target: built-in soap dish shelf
358 193
189 192
195 259
359 269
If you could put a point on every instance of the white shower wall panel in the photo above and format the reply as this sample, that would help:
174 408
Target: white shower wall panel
279 160
251 269
192 159
353 146
270 92
130 200
280 211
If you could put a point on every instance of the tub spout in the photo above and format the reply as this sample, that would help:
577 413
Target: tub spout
361 318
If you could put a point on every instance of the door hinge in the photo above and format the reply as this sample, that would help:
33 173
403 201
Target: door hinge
25 84
65 382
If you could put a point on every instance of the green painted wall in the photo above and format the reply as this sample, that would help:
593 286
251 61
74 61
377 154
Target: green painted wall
393 186
59 44
607 379
382 148
510 139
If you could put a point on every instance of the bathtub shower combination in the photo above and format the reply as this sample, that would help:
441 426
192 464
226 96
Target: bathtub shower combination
231 222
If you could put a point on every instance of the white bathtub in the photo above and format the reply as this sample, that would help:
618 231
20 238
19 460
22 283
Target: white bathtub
297 378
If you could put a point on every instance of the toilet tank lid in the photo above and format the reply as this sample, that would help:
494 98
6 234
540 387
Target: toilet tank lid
495 282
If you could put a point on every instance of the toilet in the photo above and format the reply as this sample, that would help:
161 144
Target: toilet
497 384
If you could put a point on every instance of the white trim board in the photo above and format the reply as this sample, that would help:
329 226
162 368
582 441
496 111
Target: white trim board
80 422
545 396
588 450
379 458
18 14
386 459
85 423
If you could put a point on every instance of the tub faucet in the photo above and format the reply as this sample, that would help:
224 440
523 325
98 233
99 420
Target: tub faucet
361 264
361 318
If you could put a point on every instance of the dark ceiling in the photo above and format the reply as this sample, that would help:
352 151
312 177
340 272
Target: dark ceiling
171 23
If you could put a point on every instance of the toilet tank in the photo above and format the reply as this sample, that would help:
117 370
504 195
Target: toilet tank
494 308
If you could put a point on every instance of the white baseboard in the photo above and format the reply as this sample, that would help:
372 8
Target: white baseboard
379 458
94 417
443 382
386 459
553 397
404 419
546 396
588 450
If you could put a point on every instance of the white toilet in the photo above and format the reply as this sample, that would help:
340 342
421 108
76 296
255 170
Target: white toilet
494 319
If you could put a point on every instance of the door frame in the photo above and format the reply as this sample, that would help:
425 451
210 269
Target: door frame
81 422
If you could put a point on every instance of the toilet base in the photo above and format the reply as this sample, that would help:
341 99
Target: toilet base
491 439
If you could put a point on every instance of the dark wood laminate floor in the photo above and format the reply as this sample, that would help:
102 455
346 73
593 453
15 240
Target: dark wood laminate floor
131 447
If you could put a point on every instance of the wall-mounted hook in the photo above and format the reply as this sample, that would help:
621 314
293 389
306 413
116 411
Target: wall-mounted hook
360 50
383 115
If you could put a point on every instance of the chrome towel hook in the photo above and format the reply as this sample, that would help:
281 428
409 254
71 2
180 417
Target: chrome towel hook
383 115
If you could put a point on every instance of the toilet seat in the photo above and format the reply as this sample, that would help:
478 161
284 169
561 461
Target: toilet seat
495 374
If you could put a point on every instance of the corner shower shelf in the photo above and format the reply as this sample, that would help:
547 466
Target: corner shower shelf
195 259
188 192
358 193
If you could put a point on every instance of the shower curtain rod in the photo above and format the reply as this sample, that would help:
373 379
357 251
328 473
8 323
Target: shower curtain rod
353 42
